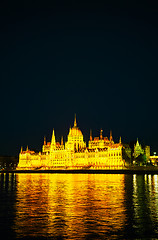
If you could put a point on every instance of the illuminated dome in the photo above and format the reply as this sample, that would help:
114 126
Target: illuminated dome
75 138
75 131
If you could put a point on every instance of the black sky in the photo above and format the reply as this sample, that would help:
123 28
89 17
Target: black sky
93 59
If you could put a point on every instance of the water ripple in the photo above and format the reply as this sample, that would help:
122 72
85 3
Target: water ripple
79 206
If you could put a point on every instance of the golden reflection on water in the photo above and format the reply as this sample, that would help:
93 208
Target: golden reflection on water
69 205
145 202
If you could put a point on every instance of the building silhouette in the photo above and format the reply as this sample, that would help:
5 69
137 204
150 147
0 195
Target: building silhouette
100 153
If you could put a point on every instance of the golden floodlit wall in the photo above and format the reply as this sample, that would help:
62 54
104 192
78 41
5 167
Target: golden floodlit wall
100 153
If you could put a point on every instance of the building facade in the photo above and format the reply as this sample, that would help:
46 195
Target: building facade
101 153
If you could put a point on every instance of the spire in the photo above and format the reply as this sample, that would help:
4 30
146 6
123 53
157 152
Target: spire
27 148
101 134
111 139
53 137
44 140
75 123
21 149
90 135
120 140
137 143
53 143
62 142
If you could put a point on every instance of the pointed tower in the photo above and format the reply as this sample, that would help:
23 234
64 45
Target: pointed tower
53 137
44 140
21 149
120 140
62 142
75 122
90 135
111 139
101 134
53 142
27 149
137 143
138 149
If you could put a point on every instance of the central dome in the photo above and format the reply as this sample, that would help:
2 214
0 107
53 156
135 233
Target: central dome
75 138
75 131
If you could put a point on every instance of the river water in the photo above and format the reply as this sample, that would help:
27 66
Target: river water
78 206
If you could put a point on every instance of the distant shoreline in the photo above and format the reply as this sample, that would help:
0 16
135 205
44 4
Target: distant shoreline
130 170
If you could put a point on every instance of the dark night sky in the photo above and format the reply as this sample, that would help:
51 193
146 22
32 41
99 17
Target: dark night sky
97 60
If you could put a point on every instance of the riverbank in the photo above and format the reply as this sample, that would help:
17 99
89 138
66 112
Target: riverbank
129 170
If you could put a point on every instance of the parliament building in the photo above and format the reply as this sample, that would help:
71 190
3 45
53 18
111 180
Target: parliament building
101 153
